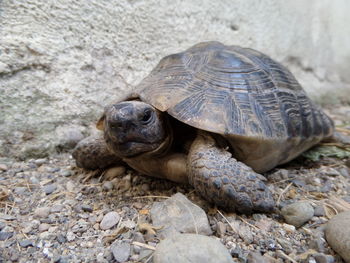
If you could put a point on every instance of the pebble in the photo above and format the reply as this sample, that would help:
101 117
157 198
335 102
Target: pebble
70 236
66 173
297 213
319 211
42 212
5 235
109 220
191 248
337 234
43 227
49 188
61 238
2 225
70 186
3 167
220 228
289 228
121 250
322 258
26 243
40 161
256 257
107 186
56 208
178 214
86 208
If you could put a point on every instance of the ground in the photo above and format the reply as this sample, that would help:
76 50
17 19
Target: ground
52 211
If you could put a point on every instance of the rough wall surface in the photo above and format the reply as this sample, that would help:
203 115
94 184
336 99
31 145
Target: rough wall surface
62 61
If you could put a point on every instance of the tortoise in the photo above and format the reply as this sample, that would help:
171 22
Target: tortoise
214 116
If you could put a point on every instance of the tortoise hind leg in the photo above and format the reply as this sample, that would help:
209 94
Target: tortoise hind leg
92 153
223 180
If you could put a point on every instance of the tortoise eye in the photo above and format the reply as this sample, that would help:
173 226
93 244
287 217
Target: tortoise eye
147 116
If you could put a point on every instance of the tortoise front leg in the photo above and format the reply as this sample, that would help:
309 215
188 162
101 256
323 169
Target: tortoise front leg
92 153
223 180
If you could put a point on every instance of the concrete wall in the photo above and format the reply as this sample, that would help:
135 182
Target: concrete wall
62 61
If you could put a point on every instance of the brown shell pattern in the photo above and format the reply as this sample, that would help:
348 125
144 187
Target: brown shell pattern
232 90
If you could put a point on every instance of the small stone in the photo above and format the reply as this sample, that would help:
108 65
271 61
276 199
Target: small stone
319 211
322 258
2 225
70 186
5 235
191 248
289 228
61 238
42 212
138 237
3 167
297 213
109 220
337 234
178 214
121 251
86 208
70 236
56 208
43 227
7 217
49 188
318 243
40 161
220 228
20 190
107 186
66 173
256 257
26 243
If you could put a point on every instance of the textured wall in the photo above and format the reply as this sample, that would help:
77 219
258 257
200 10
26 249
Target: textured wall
62 61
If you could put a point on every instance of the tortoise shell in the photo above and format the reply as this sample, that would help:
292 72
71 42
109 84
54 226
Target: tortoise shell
232 90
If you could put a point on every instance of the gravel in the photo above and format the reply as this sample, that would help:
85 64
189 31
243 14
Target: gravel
70 223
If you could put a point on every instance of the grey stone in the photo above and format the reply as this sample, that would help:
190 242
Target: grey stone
86 208
319 211
121 250
109 220
322 258
5 235
43 227
191 248
220 228
2 225
26 243
20 190
66 173
49 188
42 212
40 161
297 213
256 257
337 234
178 214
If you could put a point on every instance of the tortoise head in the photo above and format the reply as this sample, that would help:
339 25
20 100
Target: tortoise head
132 128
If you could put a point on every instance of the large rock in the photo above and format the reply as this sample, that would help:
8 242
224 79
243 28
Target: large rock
66 60
338 234
191 248
179 215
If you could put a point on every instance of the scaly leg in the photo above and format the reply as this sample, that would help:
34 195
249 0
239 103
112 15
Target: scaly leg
223 180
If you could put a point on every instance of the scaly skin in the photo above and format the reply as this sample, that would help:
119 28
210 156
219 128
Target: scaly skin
223 180
92 153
